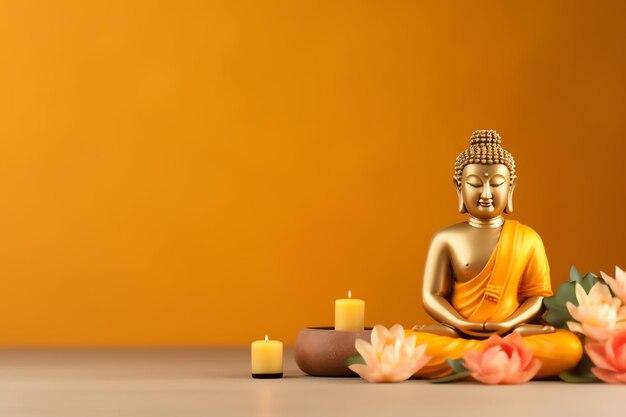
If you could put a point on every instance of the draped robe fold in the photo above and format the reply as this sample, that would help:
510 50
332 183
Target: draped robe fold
517 269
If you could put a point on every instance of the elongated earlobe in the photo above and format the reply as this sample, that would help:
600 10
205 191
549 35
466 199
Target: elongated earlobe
509 203
459 193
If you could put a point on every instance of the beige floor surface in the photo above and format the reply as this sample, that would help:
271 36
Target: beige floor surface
216 383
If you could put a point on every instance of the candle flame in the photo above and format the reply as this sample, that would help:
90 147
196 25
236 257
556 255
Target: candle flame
349 294
266 338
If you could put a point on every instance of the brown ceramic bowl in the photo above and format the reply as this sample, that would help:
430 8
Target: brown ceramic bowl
322 351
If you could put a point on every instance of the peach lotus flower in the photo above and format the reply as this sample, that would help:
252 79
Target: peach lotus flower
609 358
502 361
617 284
598 314
391 357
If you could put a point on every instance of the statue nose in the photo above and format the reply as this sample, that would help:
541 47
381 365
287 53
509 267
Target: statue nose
486 194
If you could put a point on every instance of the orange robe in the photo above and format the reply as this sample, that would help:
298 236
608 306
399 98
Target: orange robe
517 269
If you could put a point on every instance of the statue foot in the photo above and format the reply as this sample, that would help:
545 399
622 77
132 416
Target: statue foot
438 329
533 329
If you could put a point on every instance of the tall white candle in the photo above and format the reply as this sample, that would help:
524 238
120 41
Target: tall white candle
349 313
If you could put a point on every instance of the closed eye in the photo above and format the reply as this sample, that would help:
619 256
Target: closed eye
471 184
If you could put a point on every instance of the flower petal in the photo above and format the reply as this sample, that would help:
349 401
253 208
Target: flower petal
620 276
530 373
581 295
573 311
399 374
597 353
621 377
419 350
515 339
397 332
380 334
574 326
366 350
421 362
598 291
609 279
495 360
514 365
366 372
493 340
595 332
490 379
410 340
472 360
606 376
618 345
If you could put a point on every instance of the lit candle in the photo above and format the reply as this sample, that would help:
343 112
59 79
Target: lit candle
349 313
267 359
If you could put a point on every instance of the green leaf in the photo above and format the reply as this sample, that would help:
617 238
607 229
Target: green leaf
354 360
589 281
457 365
557 313
577 379
450 378
460 371
574 275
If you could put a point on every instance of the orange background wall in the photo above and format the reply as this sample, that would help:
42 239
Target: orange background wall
203 173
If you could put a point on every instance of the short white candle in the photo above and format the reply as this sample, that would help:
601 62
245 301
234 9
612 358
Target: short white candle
267 358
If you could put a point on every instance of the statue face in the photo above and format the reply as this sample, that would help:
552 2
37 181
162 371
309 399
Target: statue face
486 190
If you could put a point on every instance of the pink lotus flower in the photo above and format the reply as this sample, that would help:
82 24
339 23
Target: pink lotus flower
503 361
391 357
617 284
598 314
609 358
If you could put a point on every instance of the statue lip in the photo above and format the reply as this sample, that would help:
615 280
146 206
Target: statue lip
488 203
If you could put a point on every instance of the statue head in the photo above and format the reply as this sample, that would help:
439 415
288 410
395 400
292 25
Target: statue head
484 177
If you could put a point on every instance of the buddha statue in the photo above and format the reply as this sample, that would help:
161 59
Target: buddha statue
488 276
